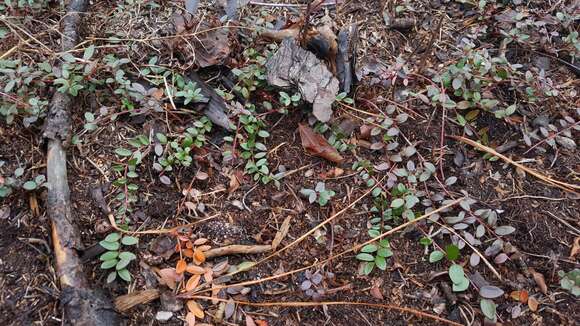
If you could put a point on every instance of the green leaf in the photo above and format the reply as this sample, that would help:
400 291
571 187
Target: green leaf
113 237
107 264
124 274
161 137
111 277
374 233
381 262
109 255
123 152
397 203
89 52
385 252
29 185
109 245
488 308
369 248
377 192
452 252
263 133
129 241
18 172
122 264
368 268
462 286
436 256
456 274
365 257
126 255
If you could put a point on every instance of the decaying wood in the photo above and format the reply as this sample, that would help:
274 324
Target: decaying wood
82 305
216 107
237 250
346 57
128 301
294 66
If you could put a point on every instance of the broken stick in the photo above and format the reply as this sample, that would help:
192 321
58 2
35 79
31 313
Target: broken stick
82 305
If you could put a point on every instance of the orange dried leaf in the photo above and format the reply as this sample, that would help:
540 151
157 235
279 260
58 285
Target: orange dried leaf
533 304
192 269
181 266
316 145
195 308
208 275
187 253
198 256
189 245
261 322
540 281
521 296
192 283
200 241
190 319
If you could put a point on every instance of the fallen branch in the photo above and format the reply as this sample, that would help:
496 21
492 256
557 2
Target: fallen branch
559 184
237 250
82 305
128 301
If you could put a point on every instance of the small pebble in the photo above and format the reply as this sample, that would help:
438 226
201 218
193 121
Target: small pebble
163 316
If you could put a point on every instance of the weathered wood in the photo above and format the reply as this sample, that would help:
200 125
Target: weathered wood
216 107
82 305
346 57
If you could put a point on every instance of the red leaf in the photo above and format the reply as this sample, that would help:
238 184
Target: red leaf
316 145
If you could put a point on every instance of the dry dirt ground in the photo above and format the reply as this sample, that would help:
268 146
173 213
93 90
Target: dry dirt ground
395 62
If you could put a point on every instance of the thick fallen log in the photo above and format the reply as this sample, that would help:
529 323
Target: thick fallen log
82 305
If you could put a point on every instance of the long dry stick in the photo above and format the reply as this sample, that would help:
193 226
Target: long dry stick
415 312
556 183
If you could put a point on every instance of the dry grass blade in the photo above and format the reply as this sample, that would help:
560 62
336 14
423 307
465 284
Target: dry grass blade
562 185
412 311
237 250
280 235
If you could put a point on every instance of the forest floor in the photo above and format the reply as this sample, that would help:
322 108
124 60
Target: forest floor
344 207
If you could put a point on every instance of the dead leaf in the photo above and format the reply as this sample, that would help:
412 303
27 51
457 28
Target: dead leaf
281 234
521 296
208 275
575 248
230 309
187 253
250 320
315 144
193 269
540 281
181 266
190 319
261 322
195 308
169 277
365 131
198 256
533 304
192 283
200 241
235 181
